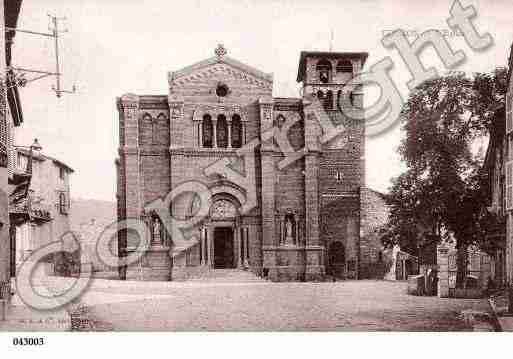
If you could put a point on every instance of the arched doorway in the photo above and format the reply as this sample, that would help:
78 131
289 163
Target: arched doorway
223 218
336 259
224 247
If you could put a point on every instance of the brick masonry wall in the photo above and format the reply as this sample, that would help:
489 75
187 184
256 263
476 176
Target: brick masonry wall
374 216
307 187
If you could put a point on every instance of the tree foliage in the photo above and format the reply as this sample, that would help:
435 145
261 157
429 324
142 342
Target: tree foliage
443 191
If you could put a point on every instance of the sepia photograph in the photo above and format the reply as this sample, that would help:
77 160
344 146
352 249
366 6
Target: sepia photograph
270 167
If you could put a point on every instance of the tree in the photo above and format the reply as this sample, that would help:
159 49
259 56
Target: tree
442 193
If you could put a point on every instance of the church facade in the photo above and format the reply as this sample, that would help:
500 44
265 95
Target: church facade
306 221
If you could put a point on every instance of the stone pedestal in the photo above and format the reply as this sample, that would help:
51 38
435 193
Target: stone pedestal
442 259
294 263
286 264
154 265
315 269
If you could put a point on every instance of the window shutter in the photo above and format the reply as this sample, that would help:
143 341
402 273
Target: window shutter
63 203
509 113
509 186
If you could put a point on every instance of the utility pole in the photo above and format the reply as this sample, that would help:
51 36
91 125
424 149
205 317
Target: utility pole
20 72
57 67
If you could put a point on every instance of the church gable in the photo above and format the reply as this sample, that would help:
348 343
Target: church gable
220 68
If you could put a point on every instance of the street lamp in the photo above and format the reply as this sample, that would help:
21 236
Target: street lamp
35 146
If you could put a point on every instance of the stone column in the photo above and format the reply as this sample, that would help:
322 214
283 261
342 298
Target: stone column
269 240
202 247
128 107
236 247
175 103
245 255
214 132
229 122
240 239
200 134
205 247
210 246
314 252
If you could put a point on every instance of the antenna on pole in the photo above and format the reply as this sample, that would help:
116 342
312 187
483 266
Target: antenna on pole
17 74
331 40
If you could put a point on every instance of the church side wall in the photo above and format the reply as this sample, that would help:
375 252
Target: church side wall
341 176
374 215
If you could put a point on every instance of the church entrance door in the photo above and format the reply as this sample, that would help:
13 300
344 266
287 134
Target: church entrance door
223 247
336 258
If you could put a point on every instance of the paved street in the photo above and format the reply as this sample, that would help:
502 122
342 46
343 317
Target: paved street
349 305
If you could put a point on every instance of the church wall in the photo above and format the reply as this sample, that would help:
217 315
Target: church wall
322 189
340 223
374 215
341 176
153 144
155 175
343 154
290 193
191 164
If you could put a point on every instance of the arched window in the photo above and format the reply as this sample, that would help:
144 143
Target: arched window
207 131
236 131
328 101
320 95
345 66
324 71
222 131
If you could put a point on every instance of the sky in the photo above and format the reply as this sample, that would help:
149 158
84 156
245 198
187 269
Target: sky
113 47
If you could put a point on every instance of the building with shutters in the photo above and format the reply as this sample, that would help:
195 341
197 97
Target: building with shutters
44 215
10 117
307 220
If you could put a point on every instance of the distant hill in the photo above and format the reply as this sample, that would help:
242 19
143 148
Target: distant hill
83 211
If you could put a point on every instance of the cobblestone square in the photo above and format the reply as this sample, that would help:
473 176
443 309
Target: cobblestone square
218 306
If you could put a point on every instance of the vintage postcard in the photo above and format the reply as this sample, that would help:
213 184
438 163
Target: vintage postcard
255 166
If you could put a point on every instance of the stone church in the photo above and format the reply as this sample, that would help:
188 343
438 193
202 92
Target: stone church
307 222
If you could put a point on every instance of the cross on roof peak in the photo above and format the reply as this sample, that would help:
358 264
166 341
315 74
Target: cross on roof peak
220 51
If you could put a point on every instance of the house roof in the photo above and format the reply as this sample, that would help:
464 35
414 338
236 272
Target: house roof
41 157
304 54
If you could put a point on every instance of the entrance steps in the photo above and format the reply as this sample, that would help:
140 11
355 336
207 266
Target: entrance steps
225 276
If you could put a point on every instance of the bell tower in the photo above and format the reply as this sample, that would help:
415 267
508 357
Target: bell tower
336 167
325 74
